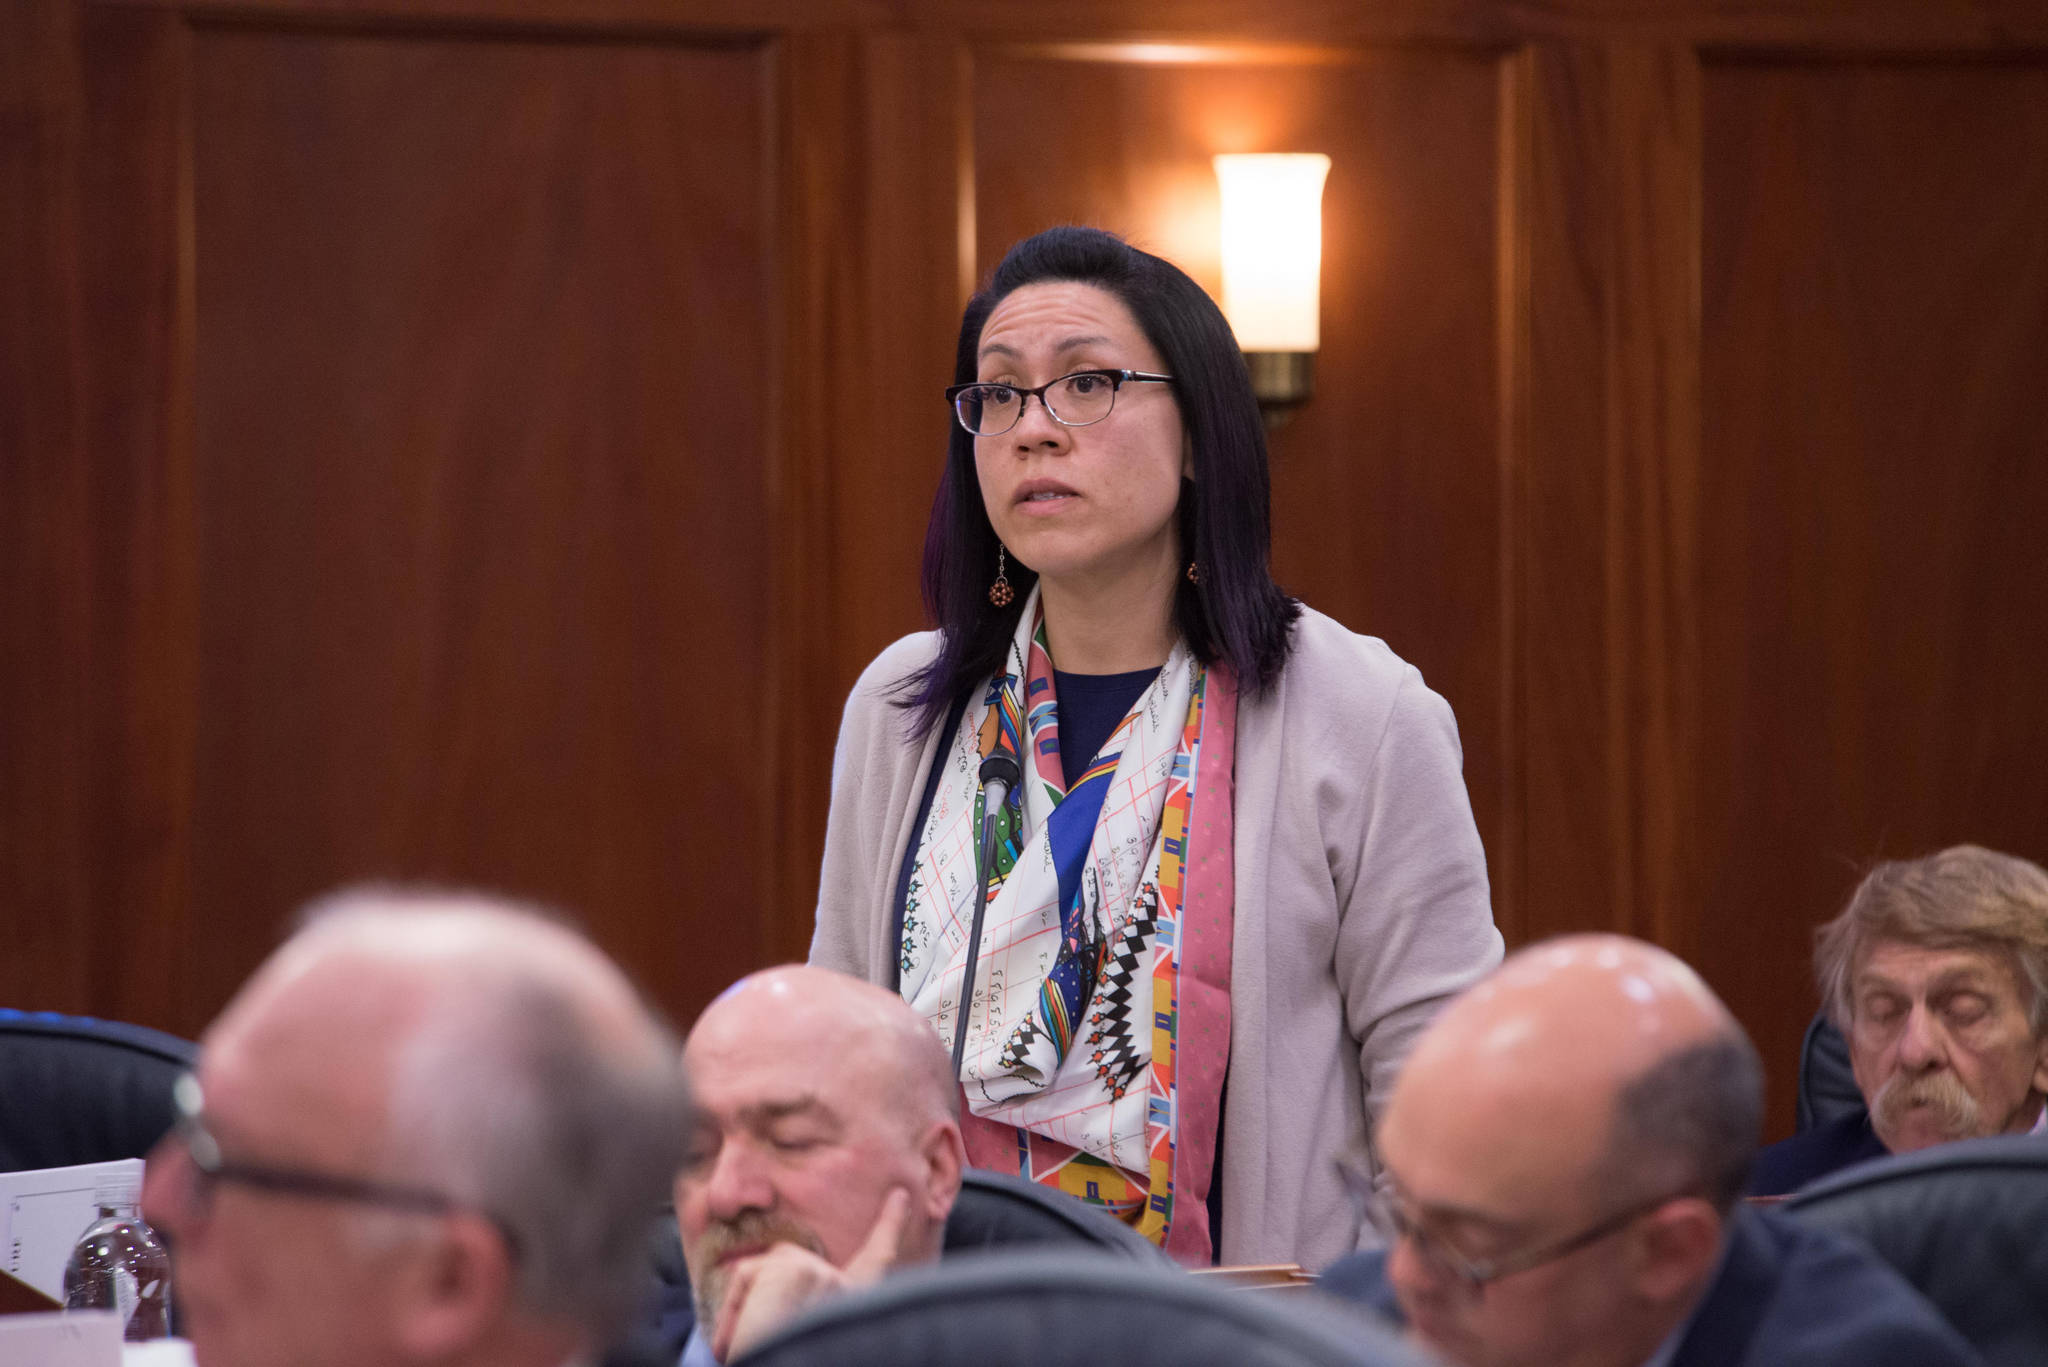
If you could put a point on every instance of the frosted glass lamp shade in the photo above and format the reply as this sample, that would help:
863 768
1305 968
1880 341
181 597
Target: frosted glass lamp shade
1273 248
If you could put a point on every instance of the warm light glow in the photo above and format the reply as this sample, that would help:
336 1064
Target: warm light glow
1273 248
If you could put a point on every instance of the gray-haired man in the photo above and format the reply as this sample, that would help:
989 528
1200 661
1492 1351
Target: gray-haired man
431 1129
1937 975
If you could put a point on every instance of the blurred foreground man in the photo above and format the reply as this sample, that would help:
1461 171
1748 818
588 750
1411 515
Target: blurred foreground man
831 1153
432 1129
1937 975
1565 1150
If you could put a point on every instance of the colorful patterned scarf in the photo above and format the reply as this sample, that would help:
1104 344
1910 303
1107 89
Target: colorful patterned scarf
1082 1070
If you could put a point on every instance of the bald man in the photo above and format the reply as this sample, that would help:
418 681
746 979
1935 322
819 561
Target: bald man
832 1152
434 1129
1564 1156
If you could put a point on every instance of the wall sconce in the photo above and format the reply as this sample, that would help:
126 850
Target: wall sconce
1273 269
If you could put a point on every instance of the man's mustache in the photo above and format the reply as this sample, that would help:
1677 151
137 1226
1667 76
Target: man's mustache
755 1229
751 1231
1954 1110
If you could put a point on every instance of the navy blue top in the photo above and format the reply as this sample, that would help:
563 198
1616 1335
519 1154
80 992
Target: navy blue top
1092 706
1790 1164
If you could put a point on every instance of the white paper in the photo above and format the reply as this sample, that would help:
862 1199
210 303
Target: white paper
157 1353
44 1210
68 1338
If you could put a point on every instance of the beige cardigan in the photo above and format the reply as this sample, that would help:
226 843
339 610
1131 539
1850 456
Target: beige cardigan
1361 905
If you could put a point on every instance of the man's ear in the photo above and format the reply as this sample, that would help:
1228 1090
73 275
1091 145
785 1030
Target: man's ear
1677 1245
945 1157
456 1289
2041 1063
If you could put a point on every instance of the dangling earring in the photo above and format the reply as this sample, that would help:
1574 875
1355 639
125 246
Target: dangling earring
1194 575
1000 593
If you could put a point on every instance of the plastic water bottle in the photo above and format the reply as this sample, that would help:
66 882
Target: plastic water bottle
119 1264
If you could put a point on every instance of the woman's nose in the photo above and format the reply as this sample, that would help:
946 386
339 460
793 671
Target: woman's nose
1036 427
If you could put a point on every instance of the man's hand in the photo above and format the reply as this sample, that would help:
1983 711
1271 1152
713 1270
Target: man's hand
764 1291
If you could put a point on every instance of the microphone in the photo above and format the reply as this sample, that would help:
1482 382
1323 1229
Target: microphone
999 774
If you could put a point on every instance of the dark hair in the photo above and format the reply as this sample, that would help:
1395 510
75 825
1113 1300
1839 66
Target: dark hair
1691 1117
1236 615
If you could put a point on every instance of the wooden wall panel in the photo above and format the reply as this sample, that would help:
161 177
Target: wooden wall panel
401 398
912 168
45 569
1387 492
1835 25
136 280
1603 593
1652 462
1873 565
1564 233
470 537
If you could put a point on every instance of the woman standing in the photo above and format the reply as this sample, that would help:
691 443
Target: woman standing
1241 851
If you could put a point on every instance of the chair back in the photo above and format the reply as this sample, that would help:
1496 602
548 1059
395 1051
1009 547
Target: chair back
1965 1224
79 1090
1029 1308
996 1209
1827 1087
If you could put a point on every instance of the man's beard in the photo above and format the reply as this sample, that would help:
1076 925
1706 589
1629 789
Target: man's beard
1949 1105
753 1229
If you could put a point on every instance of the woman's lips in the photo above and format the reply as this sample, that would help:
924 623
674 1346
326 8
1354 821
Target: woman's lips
1039 497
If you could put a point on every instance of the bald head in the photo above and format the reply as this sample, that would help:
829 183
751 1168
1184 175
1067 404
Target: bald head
462 940
865 1028
1585 1013
1639 1072
409 993
470 1047
394 973
1586 1114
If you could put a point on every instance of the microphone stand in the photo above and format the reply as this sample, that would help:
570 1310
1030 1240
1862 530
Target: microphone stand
999 774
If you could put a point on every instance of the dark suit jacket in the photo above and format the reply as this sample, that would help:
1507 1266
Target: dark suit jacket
1790 1164
1786 1296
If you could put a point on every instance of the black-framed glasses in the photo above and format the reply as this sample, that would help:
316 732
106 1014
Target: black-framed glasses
211 1168
1076 400
1390 1214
